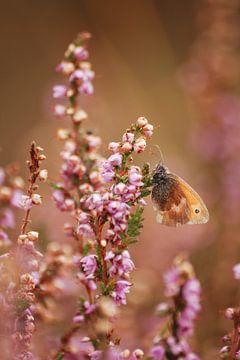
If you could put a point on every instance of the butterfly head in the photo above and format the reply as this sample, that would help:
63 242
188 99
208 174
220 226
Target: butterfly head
160 174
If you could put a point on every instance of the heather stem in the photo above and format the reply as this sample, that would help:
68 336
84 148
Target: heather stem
236 335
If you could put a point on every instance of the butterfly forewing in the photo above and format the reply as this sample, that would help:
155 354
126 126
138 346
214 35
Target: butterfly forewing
175 201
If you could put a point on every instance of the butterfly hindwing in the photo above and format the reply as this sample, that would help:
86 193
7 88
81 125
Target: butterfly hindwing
175 201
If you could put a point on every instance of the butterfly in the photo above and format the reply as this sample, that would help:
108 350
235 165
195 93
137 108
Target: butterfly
175 201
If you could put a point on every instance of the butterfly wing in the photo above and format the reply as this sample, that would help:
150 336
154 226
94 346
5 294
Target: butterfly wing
177 203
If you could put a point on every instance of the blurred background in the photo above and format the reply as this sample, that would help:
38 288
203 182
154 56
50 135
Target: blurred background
174 62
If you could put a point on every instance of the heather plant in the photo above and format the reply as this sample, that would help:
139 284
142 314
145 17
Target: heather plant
103 201
19 270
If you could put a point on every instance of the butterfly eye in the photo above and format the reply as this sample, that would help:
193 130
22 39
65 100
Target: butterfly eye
197 211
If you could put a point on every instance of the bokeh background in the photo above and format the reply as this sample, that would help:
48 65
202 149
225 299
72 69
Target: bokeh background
174 62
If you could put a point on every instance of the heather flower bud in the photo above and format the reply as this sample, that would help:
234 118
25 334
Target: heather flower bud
229 313
33 235
140 145
36 199
59 91
138 353
128 137
148 130
103 243
18 182
26 202
63 134
42 157
163 309
70 110
125 353
114 147
66 67
236 271
5 193
224 352
141 122
22 239
127 147
59 110
29 327
68 229
79 116
43 175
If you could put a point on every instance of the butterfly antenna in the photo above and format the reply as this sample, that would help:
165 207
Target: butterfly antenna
161 154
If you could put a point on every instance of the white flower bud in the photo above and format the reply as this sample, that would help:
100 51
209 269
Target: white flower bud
43 175
127 147
36 199
79 116
32 235
142 121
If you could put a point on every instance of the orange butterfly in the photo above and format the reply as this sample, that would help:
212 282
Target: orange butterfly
175 201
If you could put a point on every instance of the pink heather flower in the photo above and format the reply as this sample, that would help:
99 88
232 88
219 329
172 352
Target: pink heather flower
148 130
81 53
66 67
85 230
26 202
171 278
2 176
59 91
78 319
114 147
122 287
59 110
16 198
108 175
139 145
96 355
115 160
157 352
236 271
83 75
128 137
86 88
119 189
135 176
94 142
121 263
94 202
192 356
7 219
89 264
89 308
64 204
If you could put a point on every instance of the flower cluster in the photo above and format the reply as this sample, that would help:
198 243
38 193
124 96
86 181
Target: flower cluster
11 185
231 341
183 289
118 208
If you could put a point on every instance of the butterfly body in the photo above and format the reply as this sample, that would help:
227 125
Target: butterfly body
175 201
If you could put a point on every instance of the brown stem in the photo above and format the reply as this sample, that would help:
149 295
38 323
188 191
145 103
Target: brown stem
236 335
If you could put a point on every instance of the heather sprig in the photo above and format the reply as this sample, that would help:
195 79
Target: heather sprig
105 197
183 290
231 341
26 258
